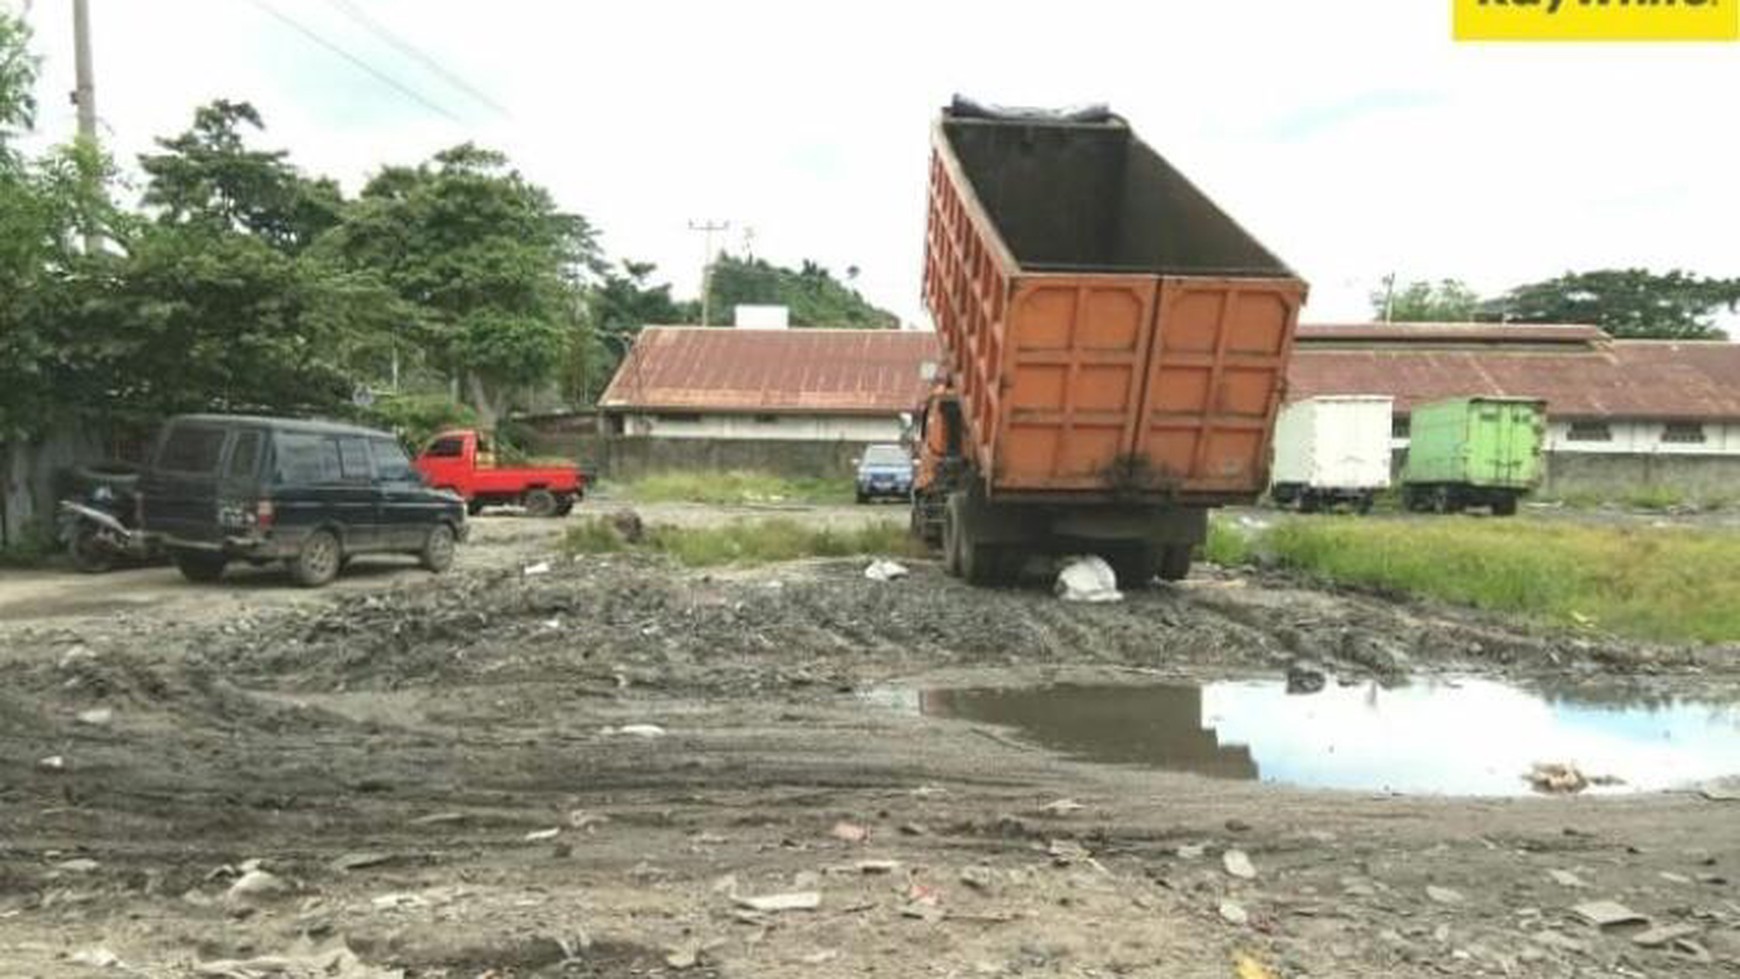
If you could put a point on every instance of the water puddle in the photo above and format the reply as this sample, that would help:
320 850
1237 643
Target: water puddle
1447 737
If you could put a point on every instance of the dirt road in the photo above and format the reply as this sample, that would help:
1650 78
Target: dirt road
595 771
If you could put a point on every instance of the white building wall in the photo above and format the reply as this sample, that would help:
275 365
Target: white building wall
793 427
1644 437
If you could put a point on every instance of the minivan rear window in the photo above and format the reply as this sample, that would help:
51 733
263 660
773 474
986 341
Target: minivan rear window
191 449
306 458
244 455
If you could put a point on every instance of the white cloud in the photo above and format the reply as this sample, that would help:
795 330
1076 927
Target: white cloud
1354 138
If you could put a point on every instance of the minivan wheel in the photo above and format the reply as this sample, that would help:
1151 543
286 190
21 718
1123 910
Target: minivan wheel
437 552
540 503
318 561
200 566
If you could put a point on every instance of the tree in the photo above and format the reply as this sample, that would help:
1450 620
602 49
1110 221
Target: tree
811 292
210 179
1420 301
484 259
17 83
1630 303
618 307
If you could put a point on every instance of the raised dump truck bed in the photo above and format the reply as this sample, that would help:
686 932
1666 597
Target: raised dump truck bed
1114 340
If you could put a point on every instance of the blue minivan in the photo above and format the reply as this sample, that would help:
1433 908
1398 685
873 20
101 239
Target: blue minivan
223 488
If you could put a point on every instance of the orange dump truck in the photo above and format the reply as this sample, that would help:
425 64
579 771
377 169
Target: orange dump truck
1115 349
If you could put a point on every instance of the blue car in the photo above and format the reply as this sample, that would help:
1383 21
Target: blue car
884 472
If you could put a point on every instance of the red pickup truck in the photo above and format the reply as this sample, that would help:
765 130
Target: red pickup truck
460 460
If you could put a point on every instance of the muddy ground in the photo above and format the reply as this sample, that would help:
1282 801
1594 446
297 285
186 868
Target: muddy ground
453 776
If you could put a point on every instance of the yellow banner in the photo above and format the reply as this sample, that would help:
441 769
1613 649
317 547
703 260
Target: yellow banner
1597 20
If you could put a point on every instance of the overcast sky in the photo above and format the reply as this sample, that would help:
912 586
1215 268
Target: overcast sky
1351 136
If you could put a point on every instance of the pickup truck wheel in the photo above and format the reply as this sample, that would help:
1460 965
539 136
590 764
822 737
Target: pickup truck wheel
564 504
318 561
473 507
437 552
200 566
539 503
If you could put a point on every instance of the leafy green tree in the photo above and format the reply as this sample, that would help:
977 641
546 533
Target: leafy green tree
488 264
17 83
618 307
1631 303
813 295
1420 301
209 179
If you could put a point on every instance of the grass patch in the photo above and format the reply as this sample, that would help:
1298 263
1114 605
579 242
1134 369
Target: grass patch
746 541
737 487
1228 543
1650 583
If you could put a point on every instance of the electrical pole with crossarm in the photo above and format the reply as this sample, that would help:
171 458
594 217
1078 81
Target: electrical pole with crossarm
708 228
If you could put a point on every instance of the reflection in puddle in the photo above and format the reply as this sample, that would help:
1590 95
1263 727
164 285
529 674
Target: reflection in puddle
1467 737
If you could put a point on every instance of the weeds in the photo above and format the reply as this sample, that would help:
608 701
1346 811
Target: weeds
737 487
746 541
1651 583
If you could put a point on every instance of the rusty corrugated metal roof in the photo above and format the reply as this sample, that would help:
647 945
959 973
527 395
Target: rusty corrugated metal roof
803 370
1450 333
1633 379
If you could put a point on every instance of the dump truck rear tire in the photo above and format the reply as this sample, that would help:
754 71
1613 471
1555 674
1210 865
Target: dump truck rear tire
1175 562
1134 564
1504 506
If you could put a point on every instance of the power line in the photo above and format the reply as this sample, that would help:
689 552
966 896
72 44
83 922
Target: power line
382 76
428 61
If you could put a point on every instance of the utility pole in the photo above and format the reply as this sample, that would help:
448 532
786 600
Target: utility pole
85 97
1389 295
709 229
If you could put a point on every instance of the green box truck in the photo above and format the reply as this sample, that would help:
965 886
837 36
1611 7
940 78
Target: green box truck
1473 452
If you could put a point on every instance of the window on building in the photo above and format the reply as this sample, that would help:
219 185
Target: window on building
678 416
1589 432
1683 433
1399 427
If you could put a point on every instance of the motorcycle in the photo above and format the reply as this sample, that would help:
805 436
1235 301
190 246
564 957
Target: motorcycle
101 530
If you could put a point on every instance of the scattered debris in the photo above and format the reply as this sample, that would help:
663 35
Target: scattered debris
1234 913
648 731
1238 864
96 716
1558 940
1444 895
1725 789
977 878
1088 579
1247 967
542 835
51 764
771 903
629 525
96 958
1561 778
1305 677
1663 934
1565 878
337 962
1607 914
81 865
882 570
533 570
361 861
1063 807
871 867
849 832
258 886
685 956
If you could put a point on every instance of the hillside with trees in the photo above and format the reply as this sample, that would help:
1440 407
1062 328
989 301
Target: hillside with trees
814 296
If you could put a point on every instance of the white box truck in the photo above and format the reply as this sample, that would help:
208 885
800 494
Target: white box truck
1331 450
